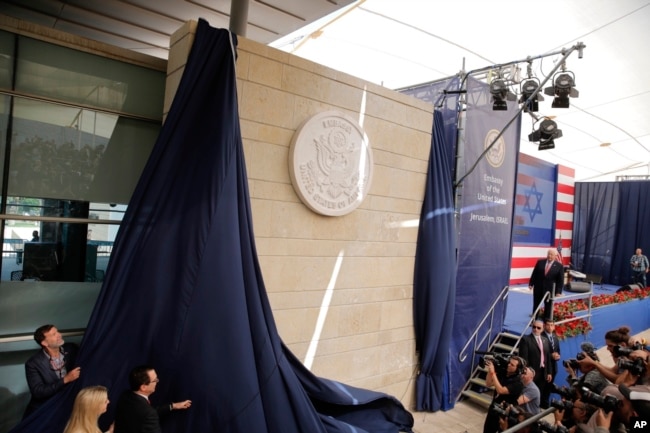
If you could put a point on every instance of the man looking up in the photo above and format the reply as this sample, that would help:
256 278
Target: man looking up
52 367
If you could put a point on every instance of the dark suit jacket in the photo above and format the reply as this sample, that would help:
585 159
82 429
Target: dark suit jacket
542 282
135 415
553 347
529 350
44 382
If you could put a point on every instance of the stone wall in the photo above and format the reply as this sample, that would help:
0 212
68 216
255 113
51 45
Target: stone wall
367 337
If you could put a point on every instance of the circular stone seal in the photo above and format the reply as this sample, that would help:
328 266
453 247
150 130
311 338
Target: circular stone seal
330 162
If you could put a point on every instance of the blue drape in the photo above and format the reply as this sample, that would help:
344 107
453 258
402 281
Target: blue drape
610 221
434 286
184 292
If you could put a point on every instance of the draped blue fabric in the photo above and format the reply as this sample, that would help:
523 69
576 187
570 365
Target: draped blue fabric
184 290
434 286
610 221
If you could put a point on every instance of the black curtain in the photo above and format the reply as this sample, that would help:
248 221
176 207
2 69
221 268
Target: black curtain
610 221
184 292
434 286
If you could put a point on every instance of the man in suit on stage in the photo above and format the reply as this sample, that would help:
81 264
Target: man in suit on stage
134 412
536 351
547 277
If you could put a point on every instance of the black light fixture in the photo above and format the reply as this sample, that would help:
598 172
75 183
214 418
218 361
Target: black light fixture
545 134
500 94
563 87
529 87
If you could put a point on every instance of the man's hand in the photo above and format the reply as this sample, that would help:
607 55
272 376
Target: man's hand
603 419
72 375
182 405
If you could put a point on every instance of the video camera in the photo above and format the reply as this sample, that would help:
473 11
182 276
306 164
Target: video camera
499 360
635 366
606 402
545 426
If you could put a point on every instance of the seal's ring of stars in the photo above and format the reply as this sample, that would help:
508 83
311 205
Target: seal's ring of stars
497 154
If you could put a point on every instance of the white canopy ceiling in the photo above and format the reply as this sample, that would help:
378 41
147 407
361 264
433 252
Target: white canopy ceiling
402 43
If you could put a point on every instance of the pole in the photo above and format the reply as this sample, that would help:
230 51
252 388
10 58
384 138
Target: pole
238 16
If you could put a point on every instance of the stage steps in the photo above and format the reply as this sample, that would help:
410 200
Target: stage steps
475 390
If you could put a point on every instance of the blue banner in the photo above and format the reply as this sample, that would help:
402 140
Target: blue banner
487 202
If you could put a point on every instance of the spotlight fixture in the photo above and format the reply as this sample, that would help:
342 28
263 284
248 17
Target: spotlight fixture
529 87
563 88
500 94
545 134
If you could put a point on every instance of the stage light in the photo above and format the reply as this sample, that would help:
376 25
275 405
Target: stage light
500 94
545 134
529 87
563 88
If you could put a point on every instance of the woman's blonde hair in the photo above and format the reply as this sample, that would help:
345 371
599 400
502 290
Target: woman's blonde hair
87 408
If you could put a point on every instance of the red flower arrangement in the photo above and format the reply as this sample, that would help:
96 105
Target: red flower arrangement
565 310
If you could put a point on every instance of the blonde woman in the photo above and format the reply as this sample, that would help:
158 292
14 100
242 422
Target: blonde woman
89 404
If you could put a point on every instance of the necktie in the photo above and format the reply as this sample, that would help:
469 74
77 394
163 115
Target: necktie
541 351
548 266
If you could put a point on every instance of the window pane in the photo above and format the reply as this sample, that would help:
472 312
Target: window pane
56 251
75 154
6 59
73 76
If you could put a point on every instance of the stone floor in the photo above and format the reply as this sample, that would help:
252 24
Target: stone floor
468 417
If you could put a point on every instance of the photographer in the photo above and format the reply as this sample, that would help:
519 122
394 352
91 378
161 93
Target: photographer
530 396
591 378
611 400
572 413
616 337
514 416
634 369
507 388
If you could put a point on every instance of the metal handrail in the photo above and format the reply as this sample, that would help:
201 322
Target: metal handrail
502 297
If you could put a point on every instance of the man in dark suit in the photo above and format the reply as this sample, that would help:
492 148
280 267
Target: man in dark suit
535 350
51 368
547 277
134 412
554 344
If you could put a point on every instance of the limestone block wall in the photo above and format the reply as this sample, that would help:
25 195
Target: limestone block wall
364 258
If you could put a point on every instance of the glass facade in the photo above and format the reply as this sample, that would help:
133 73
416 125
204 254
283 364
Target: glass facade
76 130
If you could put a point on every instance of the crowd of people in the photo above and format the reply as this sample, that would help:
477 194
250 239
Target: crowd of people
53 367
598 397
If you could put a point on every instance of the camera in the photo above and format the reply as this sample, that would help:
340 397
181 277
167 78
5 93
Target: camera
562 404
619 351
606 402
499 361
509 412
563 391
545 426
573 362
636 367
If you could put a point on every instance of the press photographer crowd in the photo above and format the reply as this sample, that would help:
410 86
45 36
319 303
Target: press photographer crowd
597 398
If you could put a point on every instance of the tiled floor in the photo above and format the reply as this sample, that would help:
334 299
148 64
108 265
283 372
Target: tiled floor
468 417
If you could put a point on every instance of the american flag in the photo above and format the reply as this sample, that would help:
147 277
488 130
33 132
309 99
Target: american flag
559 250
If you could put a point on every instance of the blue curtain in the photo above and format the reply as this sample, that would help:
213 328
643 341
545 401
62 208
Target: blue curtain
434 286
184 291
610 221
